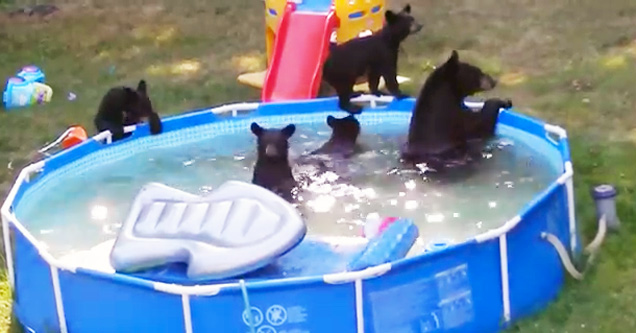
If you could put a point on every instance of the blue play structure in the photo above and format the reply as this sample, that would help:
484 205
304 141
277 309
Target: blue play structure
481 285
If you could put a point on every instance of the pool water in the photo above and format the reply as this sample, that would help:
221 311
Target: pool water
90 207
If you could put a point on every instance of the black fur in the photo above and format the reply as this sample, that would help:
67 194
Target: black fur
344 136
441 126
375 55
481 125
122 106
272 170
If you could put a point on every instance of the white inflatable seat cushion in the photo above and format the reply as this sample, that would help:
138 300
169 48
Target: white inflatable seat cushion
235 229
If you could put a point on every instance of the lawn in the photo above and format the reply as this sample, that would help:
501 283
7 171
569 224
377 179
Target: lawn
572 63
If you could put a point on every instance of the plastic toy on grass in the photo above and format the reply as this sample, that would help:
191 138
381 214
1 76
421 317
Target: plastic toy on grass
19 93
298 36
31 74
76 135
26 88
358 17
71 137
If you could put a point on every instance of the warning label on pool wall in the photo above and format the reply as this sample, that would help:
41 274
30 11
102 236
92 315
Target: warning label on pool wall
276 319
434 304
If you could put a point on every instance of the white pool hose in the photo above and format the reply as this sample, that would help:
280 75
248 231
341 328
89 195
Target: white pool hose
591 249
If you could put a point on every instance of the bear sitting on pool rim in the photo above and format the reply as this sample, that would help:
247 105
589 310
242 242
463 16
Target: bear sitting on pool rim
375 55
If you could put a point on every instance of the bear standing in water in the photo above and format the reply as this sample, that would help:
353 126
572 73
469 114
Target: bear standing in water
442 126
272 170
375 55
344 136
123 106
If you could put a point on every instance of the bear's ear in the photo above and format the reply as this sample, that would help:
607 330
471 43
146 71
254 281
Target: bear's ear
390 16
453 61
330 121
289 130
256 129
141 87
407 8
454 56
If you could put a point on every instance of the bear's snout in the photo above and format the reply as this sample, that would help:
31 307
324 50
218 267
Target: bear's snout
416 27
487 83
271 151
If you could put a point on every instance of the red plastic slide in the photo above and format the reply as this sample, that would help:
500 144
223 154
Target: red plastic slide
300 48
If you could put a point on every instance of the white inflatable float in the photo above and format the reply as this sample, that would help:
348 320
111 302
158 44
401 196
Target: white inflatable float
237 228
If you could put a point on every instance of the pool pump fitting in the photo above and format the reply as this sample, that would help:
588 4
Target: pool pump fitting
606 205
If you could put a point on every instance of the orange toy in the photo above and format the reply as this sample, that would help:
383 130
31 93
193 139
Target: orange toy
71 137
76 135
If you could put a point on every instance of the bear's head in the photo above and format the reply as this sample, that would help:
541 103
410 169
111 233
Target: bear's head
401 24
467 79
273 144
344 129
139 107
138 102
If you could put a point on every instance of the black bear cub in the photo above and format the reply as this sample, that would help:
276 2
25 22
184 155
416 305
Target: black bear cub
441 126
375 55
272 170
123 106
344 136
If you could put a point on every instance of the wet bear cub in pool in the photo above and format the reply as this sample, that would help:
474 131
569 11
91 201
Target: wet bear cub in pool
344 136
442 126
334 156
375 55
123 106
272 169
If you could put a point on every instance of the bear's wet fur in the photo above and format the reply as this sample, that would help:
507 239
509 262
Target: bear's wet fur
344 137
443 131
272 169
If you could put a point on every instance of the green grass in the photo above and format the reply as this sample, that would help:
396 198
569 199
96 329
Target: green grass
577 58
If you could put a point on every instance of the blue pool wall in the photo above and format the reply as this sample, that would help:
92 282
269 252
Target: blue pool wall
478 286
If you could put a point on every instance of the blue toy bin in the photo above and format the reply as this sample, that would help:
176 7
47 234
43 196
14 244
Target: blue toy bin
11 94
19 93
31 74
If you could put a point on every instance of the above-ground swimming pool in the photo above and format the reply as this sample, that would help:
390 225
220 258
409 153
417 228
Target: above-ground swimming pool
496 269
